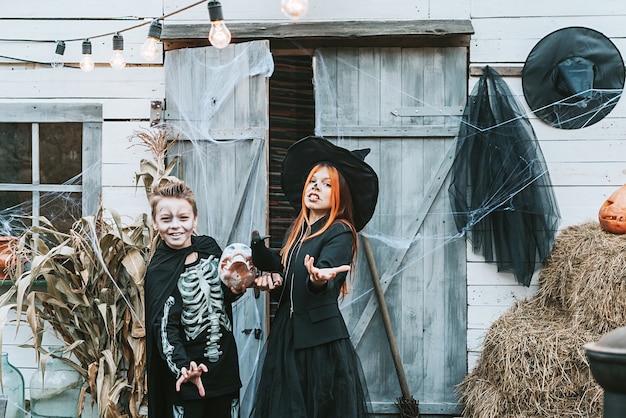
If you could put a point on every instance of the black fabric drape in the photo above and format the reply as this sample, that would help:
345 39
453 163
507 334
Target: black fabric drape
501 192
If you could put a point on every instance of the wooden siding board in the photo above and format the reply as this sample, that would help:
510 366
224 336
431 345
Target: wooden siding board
347 86
522 34
92 163
340 29
433 88
369 87
225 117
43 9
117 109
325 69
133 82
495 9
50 112
130 201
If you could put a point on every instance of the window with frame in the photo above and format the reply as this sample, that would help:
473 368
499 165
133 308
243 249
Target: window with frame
51 164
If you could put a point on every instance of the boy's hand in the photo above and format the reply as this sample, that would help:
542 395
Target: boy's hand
192 375
268 281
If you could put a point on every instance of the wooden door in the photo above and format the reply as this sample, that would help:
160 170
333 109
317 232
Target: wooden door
404 104
218 100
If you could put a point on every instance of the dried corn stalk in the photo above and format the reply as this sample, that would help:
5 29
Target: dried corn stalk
92 299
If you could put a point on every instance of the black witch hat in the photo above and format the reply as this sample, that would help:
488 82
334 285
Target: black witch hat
573 77
362 180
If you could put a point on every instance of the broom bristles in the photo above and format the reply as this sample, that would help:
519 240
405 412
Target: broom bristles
409 408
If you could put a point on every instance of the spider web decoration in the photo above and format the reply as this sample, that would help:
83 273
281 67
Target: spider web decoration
501 192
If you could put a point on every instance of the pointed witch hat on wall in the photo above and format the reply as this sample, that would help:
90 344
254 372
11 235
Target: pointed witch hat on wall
573 77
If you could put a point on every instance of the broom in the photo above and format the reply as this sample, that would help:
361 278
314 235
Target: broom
408 406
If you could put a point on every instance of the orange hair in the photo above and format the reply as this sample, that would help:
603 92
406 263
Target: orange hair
340 211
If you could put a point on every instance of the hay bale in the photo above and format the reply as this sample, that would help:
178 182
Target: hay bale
586 275
533 365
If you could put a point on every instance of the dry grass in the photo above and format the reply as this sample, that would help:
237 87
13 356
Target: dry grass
533 363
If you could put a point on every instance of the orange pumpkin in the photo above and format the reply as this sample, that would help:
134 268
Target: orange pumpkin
612 215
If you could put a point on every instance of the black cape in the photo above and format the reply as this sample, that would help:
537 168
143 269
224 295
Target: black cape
501 192
162 275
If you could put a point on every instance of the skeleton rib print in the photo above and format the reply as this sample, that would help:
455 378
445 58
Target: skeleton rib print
203 305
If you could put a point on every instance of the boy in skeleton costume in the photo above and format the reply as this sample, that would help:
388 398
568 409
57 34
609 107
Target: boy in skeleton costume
192 363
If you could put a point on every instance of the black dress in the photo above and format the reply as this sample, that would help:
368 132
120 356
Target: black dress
311 369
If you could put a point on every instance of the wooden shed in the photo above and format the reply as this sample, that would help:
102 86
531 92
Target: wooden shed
396 89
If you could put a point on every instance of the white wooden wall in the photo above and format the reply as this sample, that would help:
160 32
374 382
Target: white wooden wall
586 165
125 95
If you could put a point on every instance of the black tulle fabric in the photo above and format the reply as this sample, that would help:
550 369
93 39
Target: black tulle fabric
501 192
324 381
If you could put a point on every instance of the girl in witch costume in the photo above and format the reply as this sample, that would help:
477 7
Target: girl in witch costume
192 364
311 369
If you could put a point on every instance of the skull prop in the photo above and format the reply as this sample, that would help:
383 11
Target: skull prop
236 268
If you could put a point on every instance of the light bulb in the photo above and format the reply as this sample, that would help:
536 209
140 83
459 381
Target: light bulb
150 48
219 35
294 9
57 59
117 60
86 62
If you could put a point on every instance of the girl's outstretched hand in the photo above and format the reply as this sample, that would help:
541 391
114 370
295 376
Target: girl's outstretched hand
192 375
319 276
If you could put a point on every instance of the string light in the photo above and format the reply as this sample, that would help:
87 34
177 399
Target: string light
294 9
86 62
150 48
59 50
219 35
117 60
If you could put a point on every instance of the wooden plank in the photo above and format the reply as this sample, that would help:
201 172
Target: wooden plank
324 72
498 295
495 8
432 110
129 202
525 27
329 9
524 33
116 109
91 164
482 316
119 174
50 112
426 408
133 82
42 9
119 148
580 173
340 29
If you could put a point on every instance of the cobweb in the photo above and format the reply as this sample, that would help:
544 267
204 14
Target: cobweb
473 208
62 208
501 192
